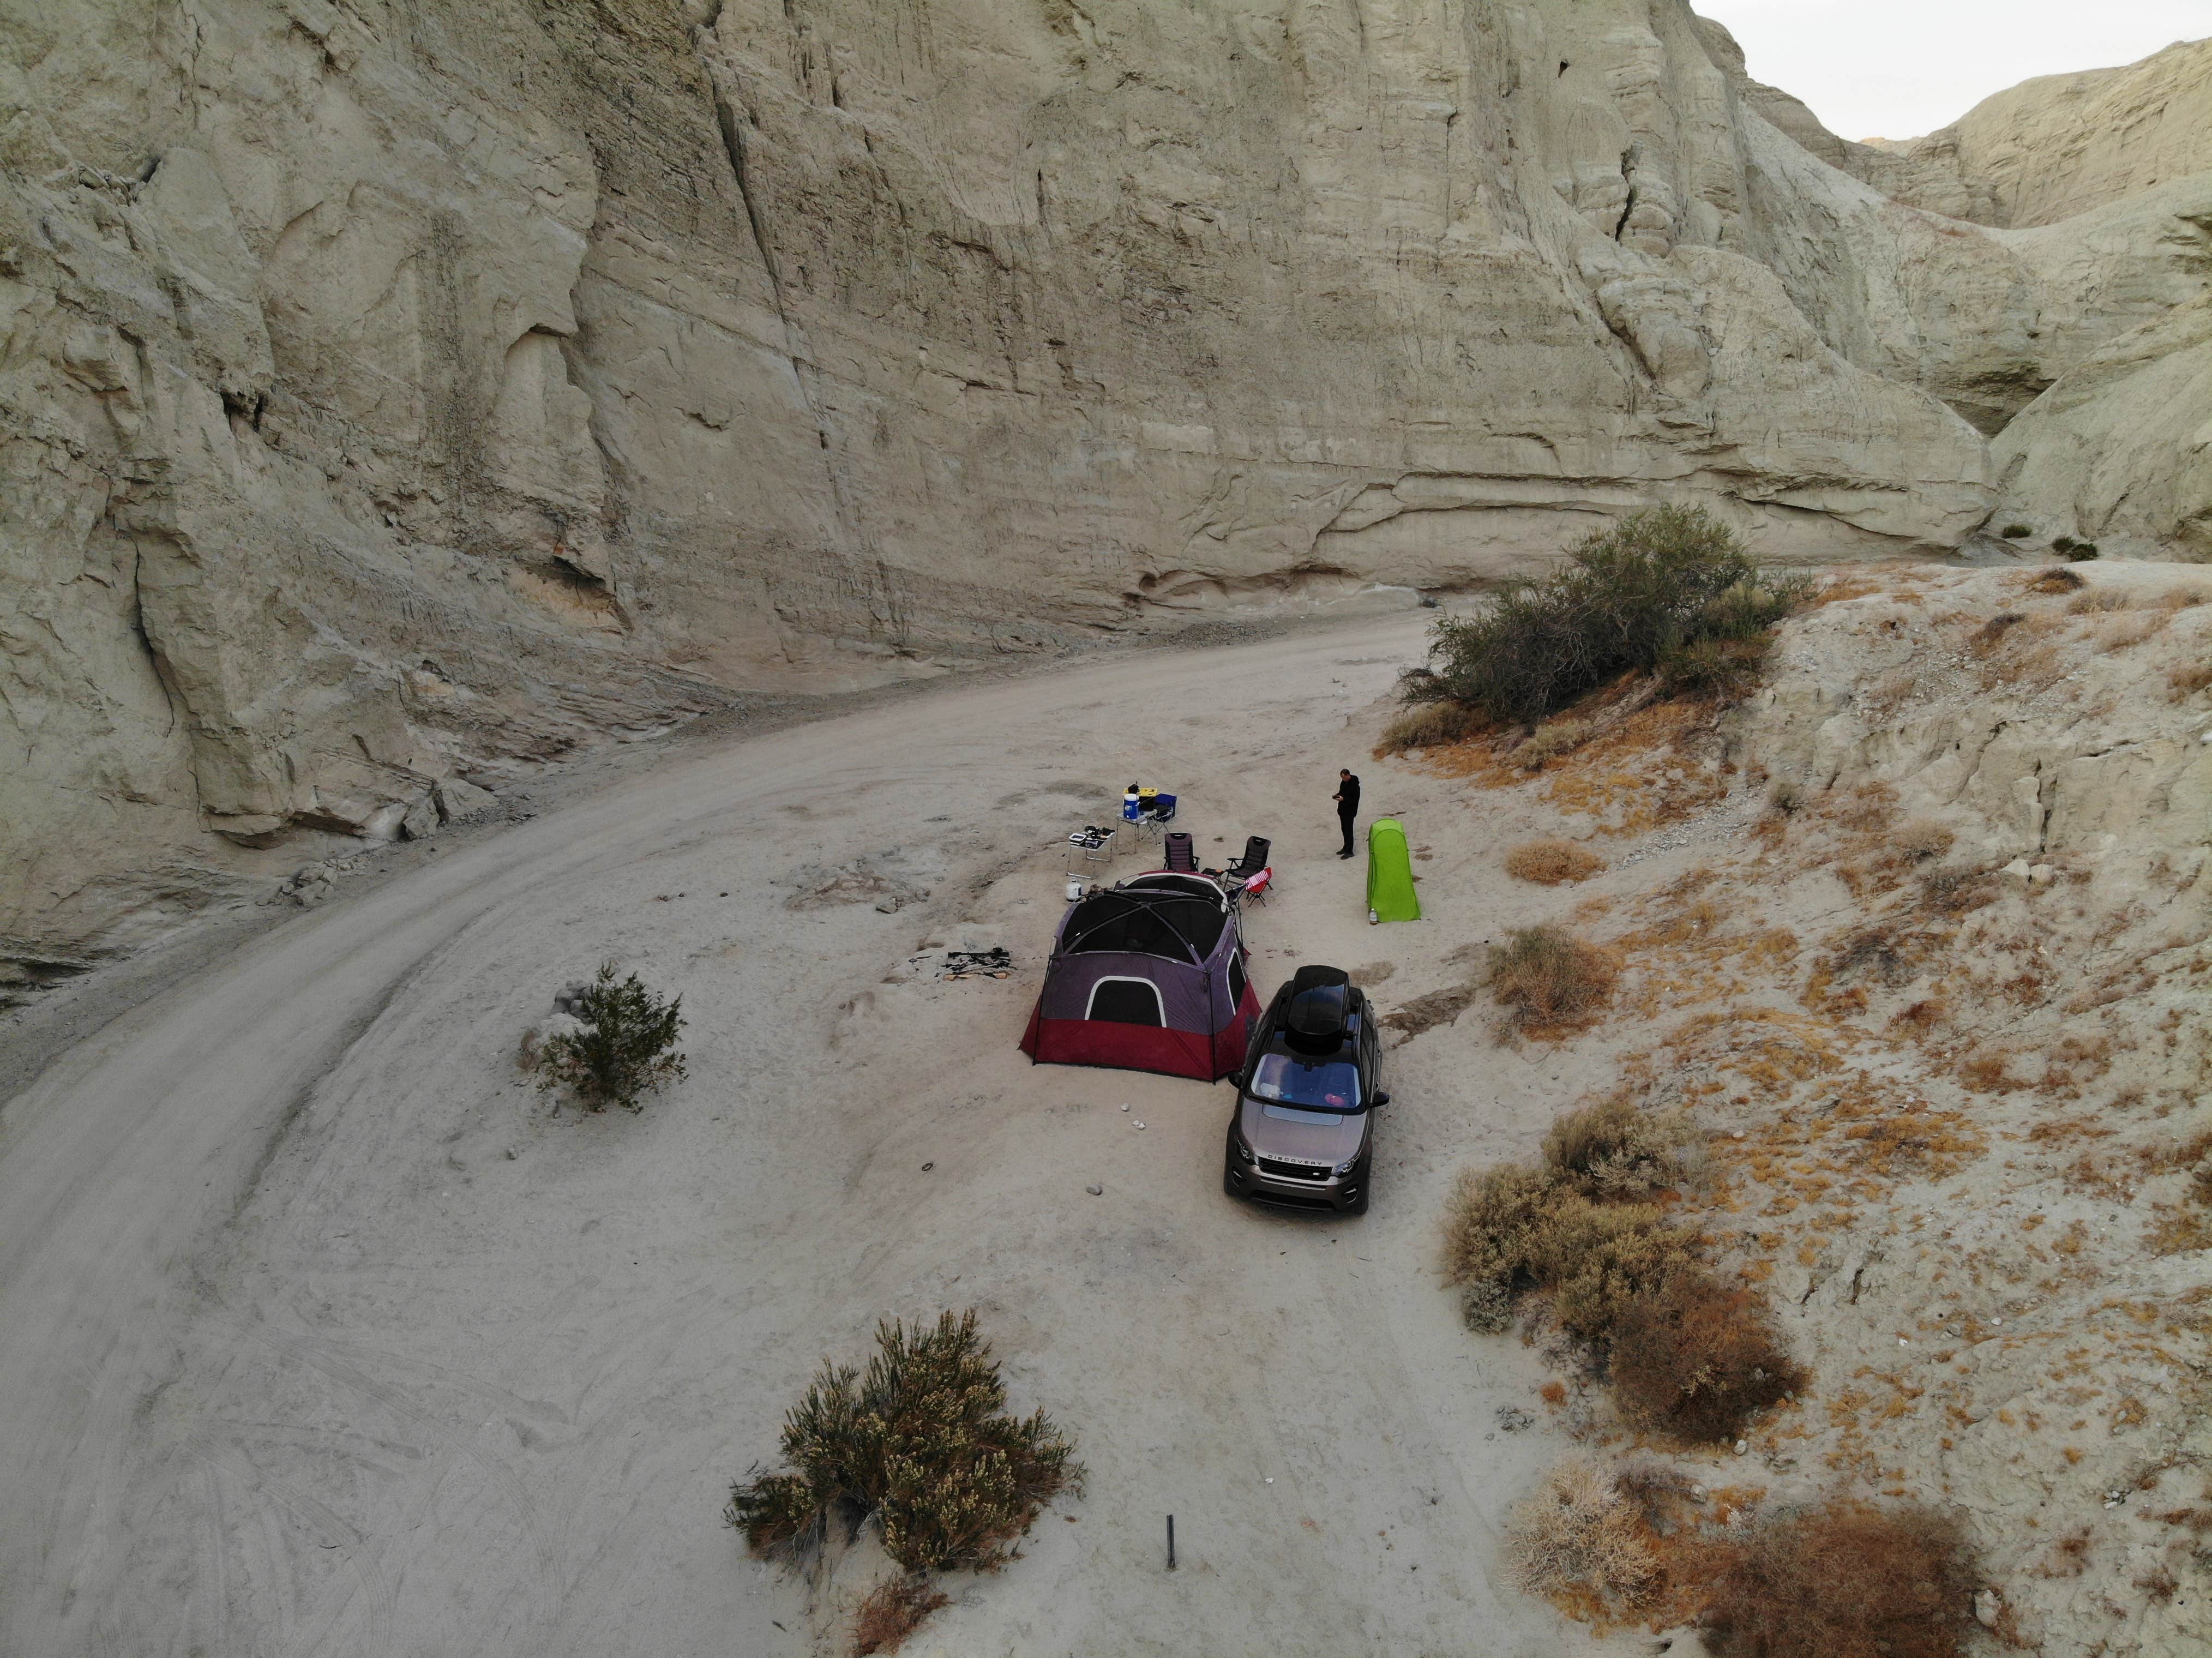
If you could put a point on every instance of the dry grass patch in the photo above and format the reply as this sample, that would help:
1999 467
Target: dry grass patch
2190 678
1431 725
2098 601
2057 580
1651 765
893 1610
1552 981
1923 839
2126 636
1956 892
1552 739
1846 1580
1552 863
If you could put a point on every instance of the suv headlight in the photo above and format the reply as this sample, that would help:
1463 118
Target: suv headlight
1348 1164
1244 1151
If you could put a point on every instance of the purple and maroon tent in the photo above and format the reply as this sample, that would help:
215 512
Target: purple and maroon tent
1149 975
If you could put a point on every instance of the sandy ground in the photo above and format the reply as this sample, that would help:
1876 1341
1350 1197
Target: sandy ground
324 1338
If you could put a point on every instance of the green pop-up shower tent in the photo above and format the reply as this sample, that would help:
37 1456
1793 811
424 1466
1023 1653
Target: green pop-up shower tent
1390 895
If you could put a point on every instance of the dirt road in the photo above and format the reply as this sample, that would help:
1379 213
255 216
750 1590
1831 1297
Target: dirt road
324 1338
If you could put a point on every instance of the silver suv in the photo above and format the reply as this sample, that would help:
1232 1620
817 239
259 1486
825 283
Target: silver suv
1303 1134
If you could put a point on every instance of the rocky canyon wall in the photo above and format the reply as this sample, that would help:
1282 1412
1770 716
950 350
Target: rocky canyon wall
399 391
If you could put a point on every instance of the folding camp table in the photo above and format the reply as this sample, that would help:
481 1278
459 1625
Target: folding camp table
1091 845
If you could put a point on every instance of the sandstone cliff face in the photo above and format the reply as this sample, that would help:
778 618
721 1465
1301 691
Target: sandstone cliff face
2059 145
399 391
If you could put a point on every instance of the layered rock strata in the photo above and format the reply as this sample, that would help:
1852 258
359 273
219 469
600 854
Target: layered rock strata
2057 145
395 393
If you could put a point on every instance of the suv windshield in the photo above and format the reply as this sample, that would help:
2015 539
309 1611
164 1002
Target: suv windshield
1321 1085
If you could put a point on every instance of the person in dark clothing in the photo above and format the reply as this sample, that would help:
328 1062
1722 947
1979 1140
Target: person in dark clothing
1347 807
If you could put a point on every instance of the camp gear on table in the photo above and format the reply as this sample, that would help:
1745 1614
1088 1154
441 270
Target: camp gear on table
1091 844
1390 895
1150 975
1181 856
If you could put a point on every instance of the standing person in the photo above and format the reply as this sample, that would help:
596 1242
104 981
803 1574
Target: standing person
1348 806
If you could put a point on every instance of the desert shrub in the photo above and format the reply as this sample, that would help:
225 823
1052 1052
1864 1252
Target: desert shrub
1486 1307
625 1047
1987 637
1495 1224
2015 531
892 1611
2189 679
1431 725
1718 670
2076 551
1629 597
1846 1580
1520 1228
1787 796
1923 839
1580 1535
1552 863
1922 1016
1549 977
1552 739
1958 891
1598 1259
2057 580
920 1441
1614 1149
1696 1359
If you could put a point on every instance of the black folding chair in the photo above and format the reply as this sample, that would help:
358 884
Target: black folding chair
1256 848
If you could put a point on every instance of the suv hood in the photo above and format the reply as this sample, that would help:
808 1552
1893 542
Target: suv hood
1312 1142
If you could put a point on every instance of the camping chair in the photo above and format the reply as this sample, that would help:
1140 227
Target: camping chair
1254 857
1181 856
1154 816
1256 887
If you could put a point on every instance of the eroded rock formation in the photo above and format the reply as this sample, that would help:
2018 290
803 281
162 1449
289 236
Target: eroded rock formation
2059 145
400 391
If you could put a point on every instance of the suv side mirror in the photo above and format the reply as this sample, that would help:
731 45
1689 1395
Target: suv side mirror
1383 1098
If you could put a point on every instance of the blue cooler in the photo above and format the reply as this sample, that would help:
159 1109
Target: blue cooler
1132 808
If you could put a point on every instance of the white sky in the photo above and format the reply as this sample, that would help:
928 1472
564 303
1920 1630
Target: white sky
1896 68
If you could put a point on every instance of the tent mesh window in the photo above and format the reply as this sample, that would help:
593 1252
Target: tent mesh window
1132 920
1126 1001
